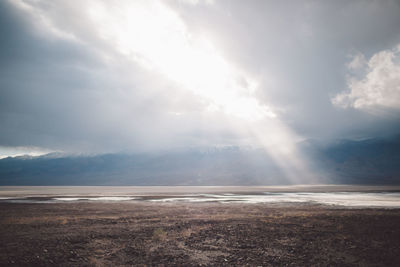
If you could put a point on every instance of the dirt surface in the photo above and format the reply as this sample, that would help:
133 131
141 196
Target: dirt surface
195 234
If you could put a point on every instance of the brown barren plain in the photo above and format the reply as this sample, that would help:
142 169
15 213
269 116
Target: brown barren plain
196 234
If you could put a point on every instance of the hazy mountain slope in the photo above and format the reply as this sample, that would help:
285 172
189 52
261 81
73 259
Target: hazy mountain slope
352 162
373 161
213 167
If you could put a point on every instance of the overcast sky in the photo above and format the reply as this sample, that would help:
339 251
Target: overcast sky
122 75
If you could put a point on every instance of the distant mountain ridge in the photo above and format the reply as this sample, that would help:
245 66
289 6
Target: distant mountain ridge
214 166
370 161
373 161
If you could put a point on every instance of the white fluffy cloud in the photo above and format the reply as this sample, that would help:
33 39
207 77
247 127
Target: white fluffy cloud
379 86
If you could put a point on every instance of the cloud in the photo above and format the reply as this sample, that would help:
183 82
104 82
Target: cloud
299 52
81 90
197 2
358 62
378 88
21 151
93 77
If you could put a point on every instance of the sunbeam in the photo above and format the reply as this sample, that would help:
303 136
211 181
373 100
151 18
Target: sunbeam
151 34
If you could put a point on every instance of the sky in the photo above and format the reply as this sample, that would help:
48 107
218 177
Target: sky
109 76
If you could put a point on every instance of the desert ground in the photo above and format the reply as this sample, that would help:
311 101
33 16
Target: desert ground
196 234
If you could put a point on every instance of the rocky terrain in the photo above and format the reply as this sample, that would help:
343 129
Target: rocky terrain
190 234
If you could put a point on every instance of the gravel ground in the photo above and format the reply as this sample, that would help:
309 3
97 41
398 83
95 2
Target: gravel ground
196 234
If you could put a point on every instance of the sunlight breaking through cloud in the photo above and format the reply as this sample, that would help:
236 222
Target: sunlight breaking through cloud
152 35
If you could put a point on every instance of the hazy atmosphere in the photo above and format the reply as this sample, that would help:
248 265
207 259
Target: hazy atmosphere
284 80
199 133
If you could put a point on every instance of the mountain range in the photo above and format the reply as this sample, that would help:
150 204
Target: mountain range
371 161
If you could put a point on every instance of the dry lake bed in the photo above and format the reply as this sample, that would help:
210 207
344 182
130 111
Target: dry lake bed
211 228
